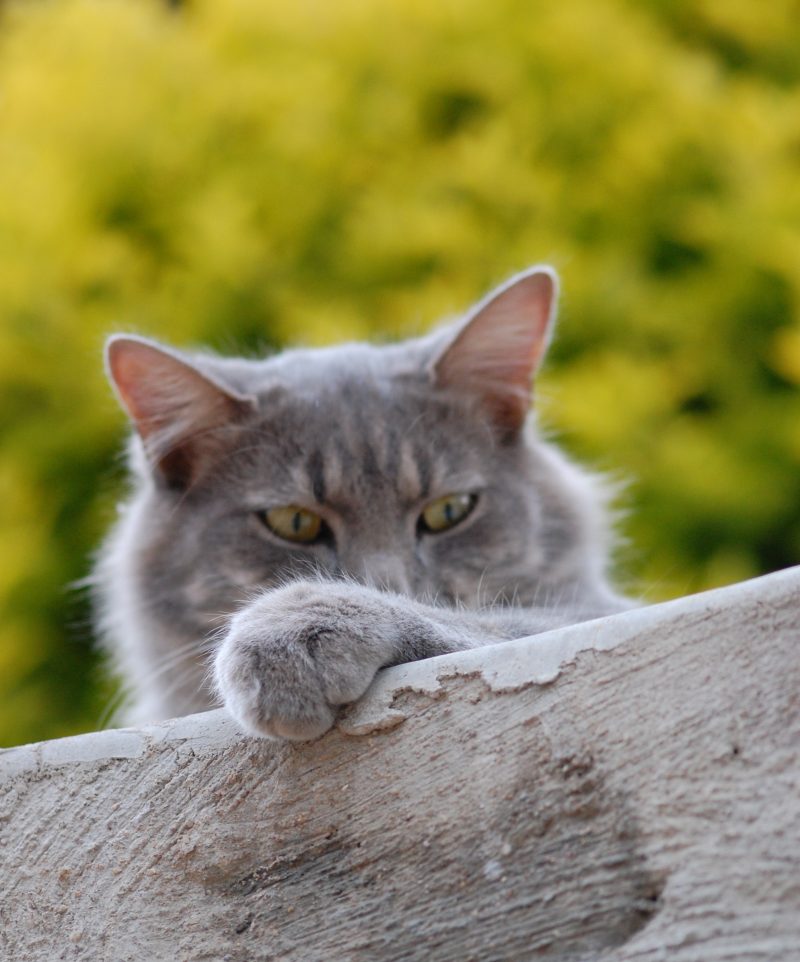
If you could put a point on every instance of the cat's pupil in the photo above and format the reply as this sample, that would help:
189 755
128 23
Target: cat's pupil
296 521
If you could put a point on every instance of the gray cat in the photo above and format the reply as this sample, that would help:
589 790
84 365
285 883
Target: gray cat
300 522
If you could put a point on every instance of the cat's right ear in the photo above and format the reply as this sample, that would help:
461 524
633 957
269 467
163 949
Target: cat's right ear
498 348
177 410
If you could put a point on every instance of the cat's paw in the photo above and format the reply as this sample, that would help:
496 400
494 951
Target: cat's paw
295 654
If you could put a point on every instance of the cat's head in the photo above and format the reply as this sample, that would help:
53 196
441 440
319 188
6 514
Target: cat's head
409 466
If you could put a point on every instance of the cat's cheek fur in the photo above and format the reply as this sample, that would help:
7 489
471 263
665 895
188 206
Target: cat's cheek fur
294 654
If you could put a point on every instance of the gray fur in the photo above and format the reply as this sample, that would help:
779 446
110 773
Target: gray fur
367 436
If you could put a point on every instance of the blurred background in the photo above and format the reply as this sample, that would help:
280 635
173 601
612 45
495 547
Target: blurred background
248 173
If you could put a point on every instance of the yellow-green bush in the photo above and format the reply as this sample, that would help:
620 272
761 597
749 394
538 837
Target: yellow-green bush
248 172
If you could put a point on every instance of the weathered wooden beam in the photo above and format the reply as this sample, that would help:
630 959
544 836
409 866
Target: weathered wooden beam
627 789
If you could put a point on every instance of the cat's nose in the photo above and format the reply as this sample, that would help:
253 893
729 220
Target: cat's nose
385 572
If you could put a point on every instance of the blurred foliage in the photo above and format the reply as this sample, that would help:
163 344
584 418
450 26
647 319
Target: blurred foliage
250 172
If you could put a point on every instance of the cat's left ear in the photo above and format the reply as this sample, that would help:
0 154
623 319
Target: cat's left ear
495 354
178 411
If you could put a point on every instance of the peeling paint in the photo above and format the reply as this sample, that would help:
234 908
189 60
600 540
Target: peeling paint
538 660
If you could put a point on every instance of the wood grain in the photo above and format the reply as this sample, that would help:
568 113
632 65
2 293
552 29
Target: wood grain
644 804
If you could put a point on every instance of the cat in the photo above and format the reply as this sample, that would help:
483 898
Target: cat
302 521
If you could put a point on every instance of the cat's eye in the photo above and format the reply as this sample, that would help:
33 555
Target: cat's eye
446 512
293 523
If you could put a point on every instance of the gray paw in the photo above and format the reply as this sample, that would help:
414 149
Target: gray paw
294 655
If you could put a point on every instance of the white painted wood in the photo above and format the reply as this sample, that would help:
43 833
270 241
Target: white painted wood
627 789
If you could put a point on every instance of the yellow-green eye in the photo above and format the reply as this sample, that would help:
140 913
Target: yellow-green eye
293 523
444 513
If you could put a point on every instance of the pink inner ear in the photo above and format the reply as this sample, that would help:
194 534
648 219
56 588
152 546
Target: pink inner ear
176 409
159 390
132 365
497 352
156 388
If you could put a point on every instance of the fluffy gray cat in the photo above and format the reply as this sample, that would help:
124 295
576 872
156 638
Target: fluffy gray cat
299 522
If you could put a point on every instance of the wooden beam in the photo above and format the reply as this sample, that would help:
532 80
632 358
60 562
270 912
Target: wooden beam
627 789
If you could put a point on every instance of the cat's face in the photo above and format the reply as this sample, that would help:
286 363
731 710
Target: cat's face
406 467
